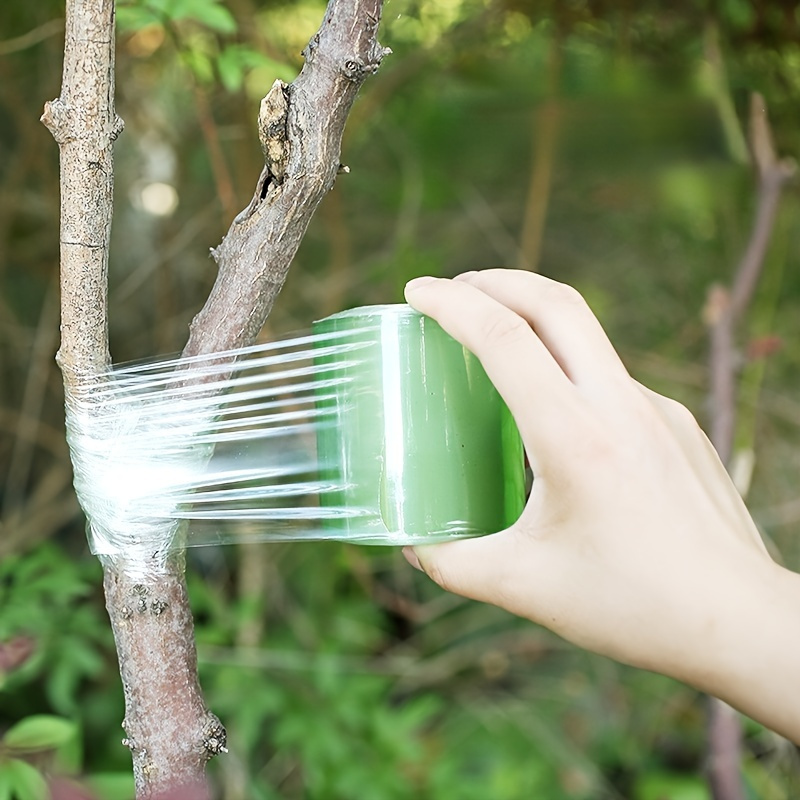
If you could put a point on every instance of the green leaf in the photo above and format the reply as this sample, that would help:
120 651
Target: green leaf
40 732
231 69
199 64
22 781
134 19
68 758
158 12
263 72
215 17
6 787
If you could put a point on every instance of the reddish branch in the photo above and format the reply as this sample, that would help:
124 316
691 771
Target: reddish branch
169 730
727 308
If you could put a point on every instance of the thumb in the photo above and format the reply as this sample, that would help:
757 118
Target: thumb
487 568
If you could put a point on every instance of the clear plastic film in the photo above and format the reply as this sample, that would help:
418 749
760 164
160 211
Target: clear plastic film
375 427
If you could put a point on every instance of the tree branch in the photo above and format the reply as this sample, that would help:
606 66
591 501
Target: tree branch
726 308
301 128
170 732
84 124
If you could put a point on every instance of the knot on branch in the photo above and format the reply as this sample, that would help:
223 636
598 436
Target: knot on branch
272 116
353 70
116 128
770 168
215 737
56 118
273 132
308 50
356 70
717 305
68 123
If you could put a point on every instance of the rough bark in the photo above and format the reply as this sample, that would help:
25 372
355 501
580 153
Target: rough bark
169 730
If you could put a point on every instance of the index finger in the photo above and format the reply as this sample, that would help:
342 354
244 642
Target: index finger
561 319
534 387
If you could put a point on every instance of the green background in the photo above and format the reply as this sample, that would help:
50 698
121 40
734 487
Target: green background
339 671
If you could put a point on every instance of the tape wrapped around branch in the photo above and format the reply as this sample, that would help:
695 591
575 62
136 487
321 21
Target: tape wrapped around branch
376 427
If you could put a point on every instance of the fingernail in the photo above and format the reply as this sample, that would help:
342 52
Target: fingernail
412 559
417 283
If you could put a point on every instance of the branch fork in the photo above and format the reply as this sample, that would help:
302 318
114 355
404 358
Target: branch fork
169 731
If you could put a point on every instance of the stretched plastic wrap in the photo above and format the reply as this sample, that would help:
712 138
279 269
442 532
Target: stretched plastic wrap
376 427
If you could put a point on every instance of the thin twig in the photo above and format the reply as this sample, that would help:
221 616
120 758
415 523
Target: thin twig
32 37
546 124
33 398
219 166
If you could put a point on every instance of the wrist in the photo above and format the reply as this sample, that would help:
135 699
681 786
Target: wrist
748 644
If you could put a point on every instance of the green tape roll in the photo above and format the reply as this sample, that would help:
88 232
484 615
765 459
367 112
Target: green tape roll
427 448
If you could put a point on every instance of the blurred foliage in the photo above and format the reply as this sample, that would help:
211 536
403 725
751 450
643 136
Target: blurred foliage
338 671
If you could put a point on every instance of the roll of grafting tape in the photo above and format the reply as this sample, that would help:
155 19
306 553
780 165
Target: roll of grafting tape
420 439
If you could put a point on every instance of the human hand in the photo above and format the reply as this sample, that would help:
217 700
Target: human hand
634 543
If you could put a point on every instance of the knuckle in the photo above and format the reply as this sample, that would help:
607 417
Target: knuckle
563 294
503 328
680 414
